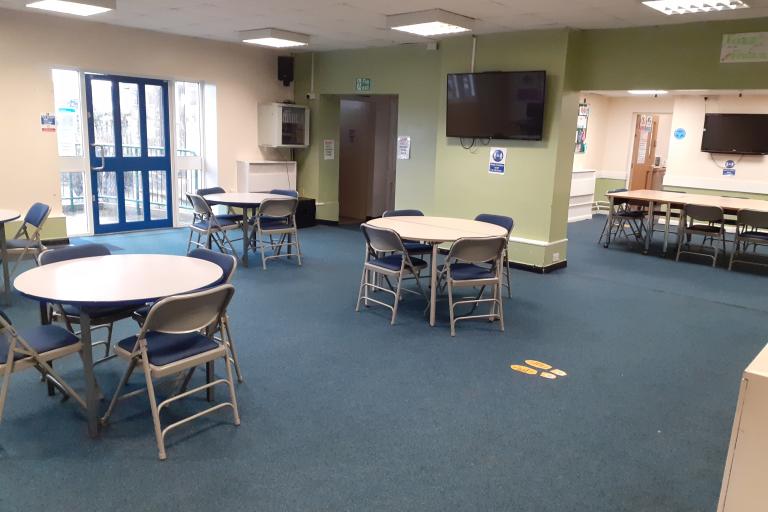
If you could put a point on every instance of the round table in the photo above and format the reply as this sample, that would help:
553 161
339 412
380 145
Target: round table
6 216
434 231
115 280
246 201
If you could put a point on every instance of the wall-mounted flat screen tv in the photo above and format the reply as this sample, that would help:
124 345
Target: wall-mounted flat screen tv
740 134
496 105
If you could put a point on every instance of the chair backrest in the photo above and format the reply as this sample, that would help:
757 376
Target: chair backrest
284 192
752 218
477 250
189 312
278 207
499 220
5 321
227 262
403 213
72 252
37 214
704 213
211 190
382 239
200 205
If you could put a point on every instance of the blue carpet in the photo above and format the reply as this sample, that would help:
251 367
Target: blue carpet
340 411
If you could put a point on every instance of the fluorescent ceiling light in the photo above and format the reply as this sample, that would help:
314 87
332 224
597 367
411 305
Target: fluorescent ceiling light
647 92
274 38
433 22
669 7
76 7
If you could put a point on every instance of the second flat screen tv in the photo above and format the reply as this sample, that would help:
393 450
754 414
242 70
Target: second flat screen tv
496 105
739 134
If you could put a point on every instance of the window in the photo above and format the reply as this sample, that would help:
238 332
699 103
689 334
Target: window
73 201
66 97
188 126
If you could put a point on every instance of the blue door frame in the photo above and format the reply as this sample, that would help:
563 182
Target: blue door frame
120 164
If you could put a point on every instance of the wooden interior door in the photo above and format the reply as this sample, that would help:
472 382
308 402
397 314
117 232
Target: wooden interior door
356 156
643 151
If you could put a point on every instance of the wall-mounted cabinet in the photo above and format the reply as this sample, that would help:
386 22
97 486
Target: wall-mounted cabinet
283 125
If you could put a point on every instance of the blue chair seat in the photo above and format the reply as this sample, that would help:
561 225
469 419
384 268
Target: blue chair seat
21 243
231 218
417 248
42 338
163 348
207 224
71 310
631 214
704 227
759 235
268 223
394 261
469 272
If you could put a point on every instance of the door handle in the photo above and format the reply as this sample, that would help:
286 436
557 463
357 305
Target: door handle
102 166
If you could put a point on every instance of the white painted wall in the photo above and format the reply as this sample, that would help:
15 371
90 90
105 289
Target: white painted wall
31 44
688 166
597 125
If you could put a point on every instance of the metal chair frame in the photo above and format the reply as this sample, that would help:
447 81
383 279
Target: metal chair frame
288 234
747 223
41 361
382 241
476 251
194 312
505 260
215 232
714 217
621 218
33 236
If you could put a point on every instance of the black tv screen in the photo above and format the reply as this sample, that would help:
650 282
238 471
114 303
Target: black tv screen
496 105
741 134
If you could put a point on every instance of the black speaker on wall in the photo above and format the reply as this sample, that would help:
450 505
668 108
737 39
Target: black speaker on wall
285 70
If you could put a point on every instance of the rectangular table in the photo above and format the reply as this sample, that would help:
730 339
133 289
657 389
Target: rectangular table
677 200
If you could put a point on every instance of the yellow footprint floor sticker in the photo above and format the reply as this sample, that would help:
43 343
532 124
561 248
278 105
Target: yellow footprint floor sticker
533 367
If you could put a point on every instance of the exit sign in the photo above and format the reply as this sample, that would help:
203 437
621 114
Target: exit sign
362 84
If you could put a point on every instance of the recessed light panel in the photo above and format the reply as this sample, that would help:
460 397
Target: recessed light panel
433 22
274 38
647 92
670 7
78 8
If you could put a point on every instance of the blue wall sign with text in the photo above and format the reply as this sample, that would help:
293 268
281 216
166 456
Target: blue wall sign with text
730 168
497 161
680 133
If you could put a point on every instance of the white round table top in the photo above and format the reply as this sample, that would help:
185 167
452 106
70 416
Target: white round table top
117 279
242 198
437 229
8 215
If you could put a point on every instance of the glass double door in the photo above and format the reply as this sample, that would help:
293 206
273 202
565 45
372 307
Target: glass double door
129 136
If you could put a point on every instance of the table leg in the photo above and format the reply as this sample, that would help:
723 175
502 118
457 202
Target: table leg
667 219
86 353
649 231
433 286
6 278
45 319
246 237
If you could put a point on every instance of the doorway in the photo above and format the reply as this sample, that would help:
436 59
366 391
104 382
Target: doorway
129 145
650 146
367 156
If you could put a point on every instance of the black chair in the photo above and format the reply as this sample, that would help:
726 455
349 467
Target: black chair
509 224
622 216
751 229
707 221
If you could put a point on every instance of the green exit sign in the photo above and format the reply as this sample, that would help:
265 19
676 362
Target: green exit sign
362 84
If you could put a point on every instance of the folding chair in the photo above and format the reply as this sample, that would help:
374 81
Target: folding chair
171 341
509 224
228 264
707 221
230 216
284 192
276 218
102 318
206 225
35 347
623 216
473 262
413 248
751 228
387 256
27 239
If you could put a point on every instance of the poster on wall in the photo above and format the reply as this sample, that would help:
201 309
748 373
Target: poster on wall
329 149
497 161
48 122
403 147
730 168
747 47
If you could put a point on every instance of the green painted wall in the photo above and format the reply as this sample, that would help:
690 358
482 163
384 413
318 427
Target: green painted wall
710 192
603 185
670 57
